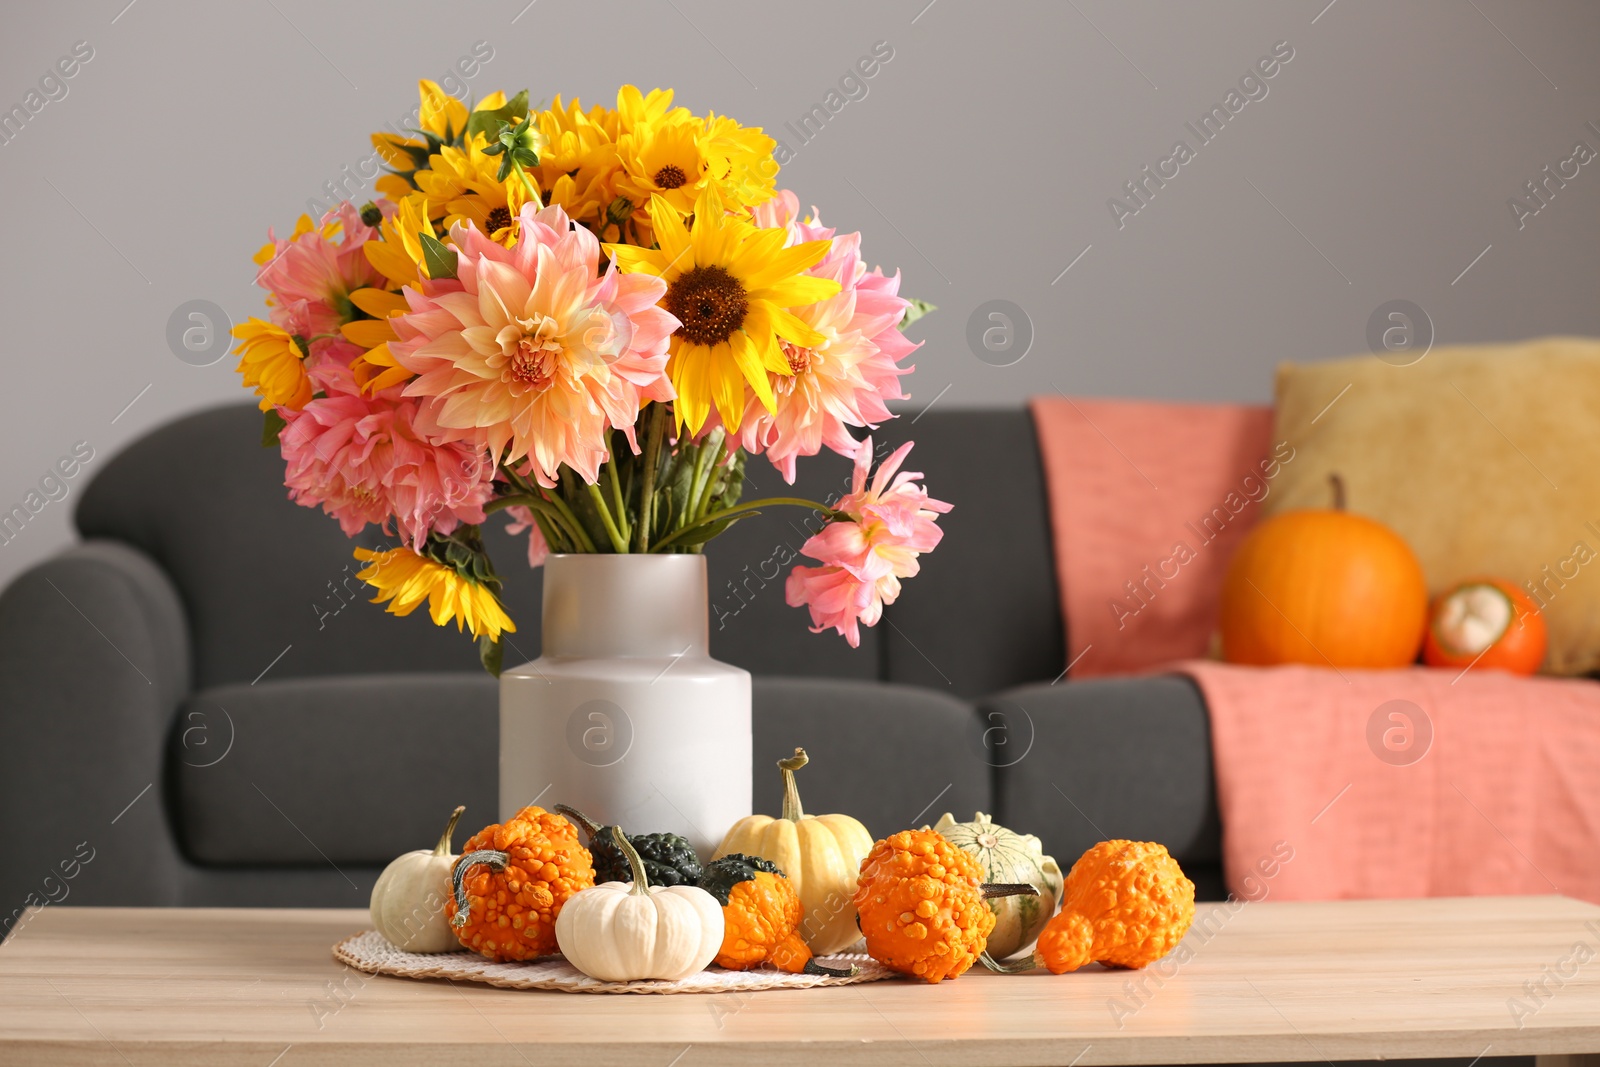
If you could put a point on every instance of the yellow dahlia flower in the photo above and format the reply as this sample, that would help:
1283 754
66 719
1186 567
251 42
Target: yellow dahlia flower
272 362
731 285
405 579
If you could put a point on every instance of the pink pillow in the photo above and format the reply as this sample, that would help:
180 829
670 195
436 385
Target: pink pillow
1147 503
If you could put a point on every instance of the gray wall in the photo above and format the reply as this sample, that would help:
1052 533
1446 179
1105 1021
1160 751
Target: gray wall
1378 166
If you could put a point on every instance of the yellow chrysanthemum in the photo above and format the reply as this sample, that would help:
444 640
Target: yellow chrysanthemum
273 364
405 579
398 256
731 285
462 183
578 165
375 368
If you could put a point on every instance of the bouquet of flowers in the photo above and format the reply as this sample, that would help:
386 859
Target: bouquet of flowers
588 319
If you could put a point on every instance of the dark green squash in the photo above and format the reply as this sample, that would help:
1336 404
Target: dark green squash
668 858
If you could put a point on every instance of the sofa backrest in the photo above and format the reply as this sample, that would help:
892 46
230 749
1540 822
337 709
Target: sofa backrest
267 583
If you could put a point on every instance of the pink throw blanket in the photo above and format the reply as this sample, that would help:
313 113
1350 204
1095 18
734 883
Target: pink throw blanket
1405 783
1331 784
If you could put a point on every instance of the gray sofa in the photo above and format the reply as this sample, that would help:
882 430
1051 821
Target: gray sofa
199 697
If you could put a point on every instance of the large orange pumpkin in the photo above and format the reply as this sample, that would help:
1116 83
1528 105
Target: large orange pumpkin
1324 587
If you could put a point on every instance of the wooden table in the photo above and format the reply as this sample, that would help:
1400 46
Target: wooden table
1258 982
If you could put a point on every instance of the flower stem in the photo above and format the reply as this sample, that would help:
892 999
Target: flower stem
653 434
737 509
574 528
616 499
618 544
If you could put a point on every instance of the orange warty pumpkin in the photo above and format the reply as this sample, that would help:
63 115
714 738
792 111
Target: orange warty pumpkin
511 882
920 905
1486 624
1324 587
1127 904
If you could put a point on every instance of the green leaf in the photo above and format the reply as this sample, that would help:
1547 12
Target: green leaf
271 426
490 122
440 259
491 654
917 309
701 534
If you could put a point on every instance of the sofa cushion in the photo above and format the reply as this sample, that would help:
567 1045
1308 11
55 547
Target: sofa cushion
352 771
983 614
1481 457
1082 762
893 756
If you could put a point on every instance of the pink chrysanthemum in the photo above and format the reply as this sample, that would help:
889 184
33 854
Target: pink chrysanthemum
311 274
363 459
533 354
844 381
538 547
864 557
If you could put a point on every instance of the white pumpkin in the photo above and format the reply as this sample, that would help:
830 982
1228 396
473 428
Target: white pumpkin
1005 856
409 897
618 932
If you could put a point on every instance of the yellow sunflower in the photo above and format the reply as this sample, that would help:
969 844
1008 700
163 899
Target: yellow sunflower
405 579
663 159
440 116
578 164
272 361
375 368
731 285
462 183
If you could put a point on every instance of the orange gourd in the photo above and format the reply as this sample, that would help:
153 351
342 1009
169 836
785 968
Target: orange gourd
1127 904
511 882
761 915
920 905
1485 624
1324 587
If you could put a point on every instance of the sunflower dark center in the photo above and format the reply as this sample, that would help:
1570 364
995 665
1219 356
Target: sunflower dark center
670 177
498 219
709 302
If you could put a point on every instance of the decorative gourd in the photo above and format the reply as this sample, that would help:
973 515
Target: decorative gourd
1004 856
821 853
1127 904
921 905
627 933
408 900
512 881
1486 624
761 916
1323 587
668 858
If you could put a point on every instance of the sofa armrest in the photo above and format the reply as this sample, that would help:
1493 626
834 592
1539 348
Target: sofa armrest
94 659
1082 762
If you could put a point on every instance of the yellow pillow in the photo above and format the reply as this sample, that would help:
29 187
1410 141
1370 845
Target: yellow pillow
1485 458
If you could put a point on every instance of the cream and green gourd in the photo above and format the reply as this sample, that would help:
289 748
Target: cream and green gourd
1009 857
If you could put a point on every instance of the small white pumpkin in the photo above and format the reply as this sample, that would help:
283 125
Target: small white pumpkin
618 932
409 897
1006 856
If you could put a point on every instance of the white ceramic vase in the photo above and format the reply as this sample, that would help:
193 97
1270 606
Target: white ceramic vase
625 716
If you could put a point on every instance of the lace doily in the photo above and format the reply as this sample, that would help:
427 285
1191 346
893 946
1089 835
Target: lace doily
371 952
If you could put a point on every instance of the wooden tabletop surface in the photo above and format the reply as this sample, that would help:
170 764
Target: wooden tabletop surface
1258 982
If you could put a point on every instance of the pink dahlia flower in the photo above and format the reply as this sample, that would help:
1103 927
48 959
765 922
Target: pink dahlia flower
364 459
522 521
845 380
889 524
311 274
537 352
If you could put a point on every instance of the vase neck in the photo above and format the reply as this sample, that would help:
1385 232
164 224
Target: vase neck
606 605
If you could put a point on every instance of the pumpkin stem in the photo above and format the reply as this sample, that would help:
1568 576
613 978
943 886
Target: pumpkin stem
813 967
792 809
443 847
590 827
990 890
1338 490
641 880
484 857
1022 966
